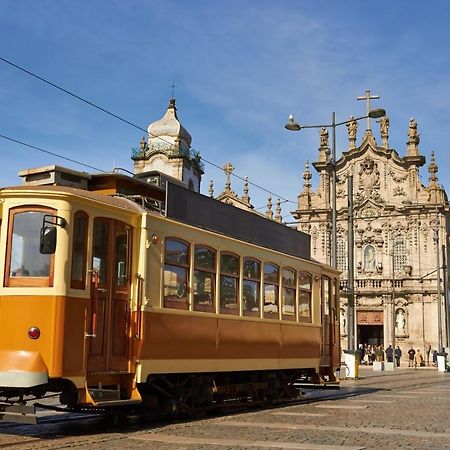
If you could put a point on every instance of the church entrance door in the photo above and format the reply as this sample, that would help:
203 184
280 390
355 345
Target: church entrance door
370 334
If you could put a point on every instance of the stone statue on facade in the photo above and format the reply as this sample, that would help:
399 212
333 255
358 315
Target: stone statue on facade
323 138
400 321
414 136
352 127
384 131
370 259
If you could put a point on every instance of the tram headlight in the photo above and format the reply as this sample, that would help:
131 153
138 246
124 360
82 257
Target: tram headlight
34 333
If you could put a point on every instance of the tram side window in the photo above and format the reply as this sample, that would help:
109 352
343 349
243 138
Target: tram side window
251 286
288 293
25 265
271 289
80 226
176 271
326 296
204 278
229 283
304 297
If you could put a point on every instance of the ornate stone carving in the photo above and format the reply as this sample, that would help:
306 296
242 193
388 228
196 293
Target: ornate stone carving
373 302
399 191
397 178
369 180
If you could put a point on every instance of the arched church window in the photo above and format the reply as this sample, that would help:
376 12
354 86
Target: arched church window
341 256
399 253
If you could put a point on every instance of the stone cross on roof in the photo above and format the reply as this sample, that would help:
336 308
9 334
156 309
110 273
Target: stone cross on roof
367 98
228 169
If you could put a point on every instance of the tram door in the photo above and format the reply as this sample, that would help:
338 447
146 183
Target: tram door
110 293
326 322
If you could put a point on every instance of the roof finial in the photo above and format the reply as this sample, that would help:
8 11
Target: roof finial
269 212
211 189
173 86
367 98
433 169
278 211
228 169
245 197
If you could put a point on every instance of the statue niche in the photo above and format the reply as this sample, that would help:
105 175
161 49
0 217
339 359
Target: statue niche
400 322
370 260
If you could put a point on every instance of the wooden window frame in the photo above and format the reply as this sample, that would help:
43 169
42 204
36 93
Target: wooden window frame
276 283
290 317
80 284
326 296
26 281
170 303
309 292
229 311
198 307
256 280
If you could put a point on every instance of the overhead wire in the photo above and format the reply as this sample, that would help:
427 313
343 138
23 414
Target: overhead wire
116 116
49 152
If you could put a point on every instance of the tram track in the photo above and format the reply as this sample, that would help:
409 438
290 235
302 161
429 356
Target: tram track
89 429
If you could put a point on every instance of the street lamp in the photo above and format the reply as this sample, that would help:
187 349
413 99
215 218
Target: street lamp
292 125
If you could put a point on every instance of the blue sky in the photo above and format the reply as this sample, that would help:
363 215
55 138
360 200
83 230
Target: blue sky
240 66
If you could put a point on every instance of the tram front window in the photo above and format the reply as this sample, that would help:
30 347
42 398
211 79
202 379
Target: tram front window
23 257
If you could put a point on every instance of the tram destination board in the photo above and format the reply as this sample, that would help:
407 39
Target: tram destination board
199 210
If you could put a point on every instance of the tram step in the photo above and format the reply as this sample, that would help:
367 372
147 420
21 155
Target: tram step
104 394
107 403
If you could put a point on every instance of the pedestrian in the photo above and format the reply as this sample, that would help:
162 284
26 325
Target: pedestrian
389 354
379 354
360 353
435 355
418 359
398 355
411 353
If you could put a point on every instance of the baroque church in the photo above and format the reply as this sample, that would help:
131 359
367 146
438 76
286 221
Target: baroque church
400 238
400 225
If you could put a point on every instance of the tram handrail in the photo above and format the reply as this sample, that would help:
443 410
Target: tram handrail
94 291
140 285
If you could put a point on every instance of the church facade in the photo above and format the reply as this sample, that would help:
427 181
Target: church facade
400 238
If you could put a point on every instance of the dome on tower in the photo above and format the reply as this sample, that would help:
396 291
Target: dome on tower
168 130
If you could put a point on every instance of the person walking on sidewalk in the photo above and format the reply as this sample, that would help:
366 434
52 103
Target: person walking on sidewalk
411 354
418 359
389 354
398 355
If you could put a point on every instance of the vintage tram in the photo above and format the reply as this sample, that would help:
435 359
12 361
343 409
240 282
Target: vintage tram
119 292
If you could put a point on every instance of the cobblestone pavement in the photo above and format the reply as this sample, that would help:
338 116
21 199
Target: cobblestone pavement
407 409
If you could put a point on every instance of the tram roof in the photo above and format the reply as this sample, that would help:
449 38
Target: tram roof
199 210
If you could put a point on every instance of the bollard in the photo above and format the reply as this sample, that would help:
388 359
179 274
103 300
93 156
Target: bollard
442 362
352 364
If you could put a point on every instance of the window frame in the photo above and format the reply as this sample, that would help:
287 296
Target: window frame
10 281
257 281
283 288
222 273
308 292
276 284
80 284
184 302
197 306
400 253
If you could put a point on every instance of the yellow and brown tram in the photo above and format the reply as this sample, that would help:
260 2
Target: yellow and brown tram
115 291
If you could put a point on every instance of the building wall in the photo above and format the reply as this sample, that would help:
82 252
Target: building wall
394 235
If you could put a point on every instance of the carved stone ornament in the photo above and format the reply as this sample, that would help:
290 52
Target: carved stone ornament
373 302
369 179
399 191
